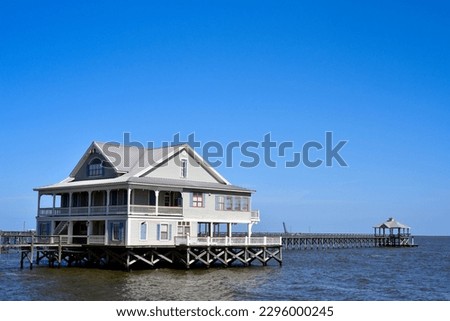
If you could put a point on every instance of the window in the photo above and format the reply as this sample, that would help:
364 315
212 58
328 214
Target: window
229 203
95 168
197 199
184 167
232 203
237 203
184 228
166 199
143 232
220 203
245 204
116 233
164 232
44 228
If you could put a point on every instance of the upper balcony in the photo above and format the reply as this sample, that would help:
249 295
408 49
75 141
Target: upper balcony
147 210
112 202
149 203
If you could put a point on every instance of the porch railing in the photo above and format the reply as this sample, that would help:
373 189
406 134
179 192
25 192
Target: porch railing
255 216
111 210
227 241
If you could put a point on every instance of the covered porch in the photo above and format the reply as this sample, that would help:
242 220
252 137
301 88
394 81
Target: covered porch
121 201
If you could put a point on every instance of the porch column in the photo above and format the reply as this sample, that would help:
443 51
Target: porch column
128 200
106 230
156 201
54 202
107 201
39 201
89 202
211 229
90 227
70 203
229 232
70 232
249 229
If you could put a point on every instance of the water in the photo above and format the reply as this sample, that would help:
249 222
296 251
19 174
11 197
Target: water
421 273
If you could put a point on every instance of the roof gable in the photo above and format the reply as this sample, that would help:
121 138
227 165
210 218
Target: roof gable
195 161
94 151
135 161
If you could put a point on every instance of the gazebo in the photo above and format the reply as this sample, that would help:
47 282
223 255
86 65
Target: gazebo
397 234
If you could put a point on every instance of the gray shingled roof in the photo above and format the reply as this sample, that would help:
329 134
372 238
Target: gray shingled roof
133 159
186 184
149 181
131 162
391 223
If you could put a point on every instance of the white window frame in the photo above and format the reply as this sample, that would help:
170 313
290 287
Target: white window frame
220 202
228 203
236 203
95 169
245 204
161 226
198 200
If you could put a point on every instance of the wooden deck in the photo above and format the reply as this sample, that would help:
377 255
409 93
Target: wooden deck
186 252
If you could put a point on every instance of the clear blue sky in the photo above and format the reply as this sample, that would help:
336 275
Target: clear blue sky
376 73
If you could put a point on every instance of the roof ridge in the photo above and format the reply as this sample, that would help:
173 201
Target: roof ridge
142 146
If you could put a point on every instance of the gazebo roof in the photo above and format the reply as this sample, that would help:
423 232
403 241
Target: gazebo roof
391 223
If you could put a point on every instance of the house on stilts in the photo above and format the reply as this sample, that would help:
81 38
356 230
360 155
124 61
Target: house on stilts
135 206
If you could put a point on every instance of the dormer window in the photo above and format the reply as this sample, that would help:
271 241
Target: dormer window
95 168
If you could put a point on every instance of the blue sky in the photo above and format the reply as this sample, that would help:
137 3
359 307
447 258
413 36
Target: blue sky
375 73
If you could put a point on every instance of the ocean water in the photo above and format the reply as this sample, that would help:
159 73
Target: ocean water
421 273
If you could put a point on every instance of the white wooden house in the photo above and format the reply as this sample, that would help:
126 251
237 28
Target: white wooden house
129 196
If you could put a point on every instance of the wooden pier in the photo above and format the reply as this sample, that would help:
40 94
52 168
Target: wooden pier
311 241
305 241
11 238
187 252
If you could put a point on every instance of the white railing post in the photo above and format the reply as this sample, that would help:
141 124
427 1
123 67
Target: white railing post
128 201
107 201
208 240
156 202
265 240
246 240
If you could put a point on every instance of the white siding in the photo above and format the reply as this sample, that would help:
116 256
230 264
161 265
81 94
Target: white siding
209 213
152 228
172 169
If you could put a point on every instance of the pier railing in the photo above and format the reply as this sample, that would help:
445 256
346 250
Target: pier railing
227 241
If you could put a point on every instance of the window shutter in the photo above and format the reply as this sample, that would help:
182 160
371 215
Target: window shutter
192 199
204 199
170 232
110 225
158 232
143 231
217 203
121 232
